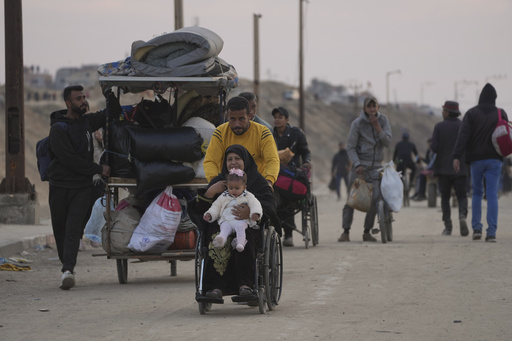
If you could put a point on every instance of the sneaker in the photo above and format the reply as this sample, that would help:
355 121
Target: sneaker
490 239
477 235
368 238
68 280
344 237
288 241
447 232
463 226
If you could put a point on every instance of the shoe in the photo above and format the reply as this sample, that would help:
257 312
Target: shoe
68 280
245 291
218 241
490 239
463 226
447 232
477 235
420 198
368 238
95 244
344 237
288 241
240 247
215 293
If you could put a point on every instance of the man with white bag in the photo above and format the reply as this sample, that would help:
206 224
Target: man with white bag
369 134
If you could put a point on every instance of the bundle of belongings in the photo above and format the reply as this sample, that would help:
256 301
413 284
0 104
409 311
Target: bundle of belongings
187 52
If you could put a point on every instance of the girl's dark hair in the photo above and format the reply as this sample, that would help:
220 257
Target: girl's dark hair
235 177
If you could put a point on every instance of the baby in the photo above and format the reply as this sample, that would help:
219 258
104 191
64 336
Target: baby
236 194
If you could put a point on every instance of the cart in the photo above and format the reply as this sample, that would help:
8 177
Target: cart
203 85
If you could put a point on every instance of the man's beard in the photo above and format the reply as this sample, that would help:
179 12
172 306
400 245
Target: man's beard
239 131
79 110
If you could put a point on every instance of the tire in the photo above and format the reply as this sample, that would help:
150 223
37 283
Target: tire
382 221
432 194
273 268
389 225
122 270
306 230
261 300
406 199
314 222
204 307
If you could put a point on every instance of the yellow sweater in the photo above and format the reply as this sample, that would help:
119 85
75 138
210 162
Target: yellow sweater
258 140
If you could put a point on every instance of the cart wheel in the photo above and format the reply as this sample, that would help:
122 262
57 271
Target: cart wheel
261 300
382 222
173 267
122 270
204 307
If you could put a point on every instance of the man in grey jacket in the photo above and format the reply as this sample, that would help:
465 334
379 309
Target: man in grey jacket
369 134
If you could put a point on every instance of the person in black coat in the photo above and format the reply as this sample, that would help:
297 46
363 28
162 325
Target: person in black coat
287 136
444 138
340 168
404 150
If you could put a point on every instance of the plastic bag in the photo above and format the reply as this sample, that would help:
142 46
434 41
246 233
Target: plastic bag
158 225
97 220
392 187
360 197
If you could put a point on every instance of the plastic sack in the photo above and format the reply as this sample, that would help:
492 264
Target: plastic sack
123 223
502 137
96 220
392 187
360 197
158 225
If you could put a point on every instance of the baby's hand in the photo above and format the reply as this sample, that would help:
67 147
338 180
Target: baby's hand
207 217
255 217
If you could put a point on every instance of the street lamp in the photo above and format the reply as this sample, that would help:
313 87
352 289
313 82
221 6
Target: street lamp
389 73
463 82
422 89
495 77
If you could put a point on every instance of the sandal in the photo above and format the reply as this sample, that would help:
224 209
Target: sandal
245 291
215 293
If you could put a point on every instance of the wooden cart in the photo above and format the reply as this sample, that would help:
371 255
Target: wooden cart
203 85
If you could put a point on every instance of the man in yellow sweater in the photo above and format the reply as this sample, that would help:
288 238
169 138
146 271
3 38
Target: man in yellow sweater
239 129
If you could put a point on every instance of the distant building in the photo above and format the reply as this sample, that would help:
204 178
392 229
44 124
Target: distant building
328 93
35 79
87 75
291 94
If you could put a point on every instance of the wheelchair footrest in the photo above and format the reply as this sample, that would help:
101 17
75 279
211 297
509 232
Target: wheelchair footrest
244 298
200 298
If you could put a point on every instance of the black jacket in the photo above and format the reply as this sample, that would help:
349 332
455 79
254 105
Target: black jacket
295 139
73 165
403 152
443 144
341 163
475 135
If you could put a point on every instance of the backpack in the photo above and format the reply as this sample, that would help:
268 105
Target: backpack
44 154
502 136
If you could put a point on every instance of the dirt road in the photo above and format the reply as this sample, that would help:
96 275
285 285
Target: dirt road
422 286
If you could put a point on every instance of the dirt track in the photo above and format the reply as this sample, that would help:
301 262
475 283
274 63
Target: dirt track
422 286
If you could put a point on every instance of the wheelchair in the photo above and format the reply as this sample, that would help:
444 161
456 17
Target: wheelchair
268 272
308 208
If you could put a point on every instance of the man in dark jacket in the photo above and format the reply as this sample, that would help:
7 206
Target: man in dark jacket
340 168
402 157
293 138
71 176
443 144
475 139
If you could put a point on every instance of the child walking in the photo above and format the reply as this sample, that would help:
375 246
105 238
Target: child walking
236 194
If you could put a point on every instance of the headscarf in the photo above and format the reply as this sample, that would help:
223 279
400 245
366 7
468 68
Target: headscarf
256 183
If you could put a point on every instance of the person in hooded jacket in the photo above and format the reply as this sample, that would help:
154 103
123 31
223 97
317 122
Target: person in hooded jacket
369 134
475 139
71 175
443 142
404 150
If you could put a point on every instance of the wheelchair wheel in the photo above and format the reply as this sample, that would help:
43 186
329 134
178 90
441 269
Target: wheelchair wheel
314 221
261 300
272 268
389 226
382 221
204 307
122 270
306 224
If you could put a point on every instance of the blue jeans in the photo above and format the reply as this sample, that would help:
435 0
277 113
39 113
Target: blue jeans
490 171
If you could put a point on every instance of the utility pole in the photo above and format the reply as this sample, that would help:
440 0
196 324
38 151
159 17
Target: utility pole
17 195
178 14
389 73
256 56
301 72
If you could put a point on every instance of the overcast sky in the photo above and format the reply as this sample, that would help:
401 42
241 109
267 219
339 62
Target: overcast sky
438 45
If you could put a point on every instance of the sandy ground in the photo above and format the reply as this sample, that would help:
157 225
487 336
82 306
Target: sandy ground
422 286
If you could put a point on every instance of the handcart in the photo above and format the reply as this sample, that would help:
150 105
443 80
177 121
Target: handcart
211 86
